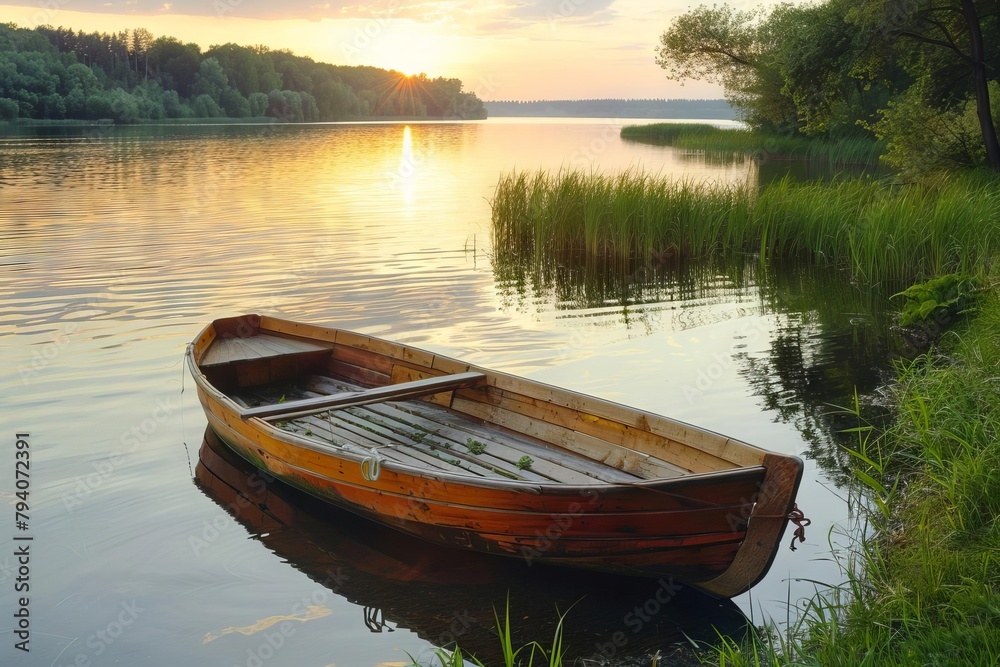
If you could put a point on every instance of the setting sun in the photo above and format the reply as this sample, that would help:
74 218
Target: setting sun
500 51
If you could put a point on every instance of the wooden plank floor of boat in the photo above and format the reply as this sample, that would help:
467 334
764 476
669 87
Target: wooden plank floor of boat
429 436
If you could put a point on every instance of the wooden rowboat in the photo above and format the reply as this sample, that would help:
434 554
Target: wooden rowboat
468 457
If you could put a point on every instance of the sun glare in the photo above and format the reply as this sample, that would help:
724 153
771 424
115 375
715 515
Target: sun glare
401 98
407 167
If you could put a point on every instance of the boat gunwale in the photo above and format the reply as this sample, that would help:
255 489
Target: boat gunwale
320 447
492 376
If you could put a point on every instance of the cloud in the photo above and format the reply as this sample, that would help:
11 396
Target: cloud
419 10
485 15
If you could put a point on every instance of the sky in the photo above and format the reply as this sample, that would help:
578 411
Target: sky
501 49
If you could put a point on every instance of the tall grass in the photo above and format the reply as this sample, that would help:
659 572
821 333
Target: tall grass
923 587
722 141
877 230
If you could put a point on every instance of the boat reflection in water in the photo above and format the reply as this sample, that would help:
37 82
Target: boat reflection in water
409 583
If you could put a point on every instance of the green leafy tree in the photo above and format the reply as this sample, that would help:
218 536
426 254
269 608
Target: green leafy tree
176 64
9 109
234 104
204 106
952 47
258 104
736 49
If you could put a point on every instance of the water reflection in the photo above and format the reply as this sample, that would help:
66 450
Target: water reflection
829 337
763 168
446 595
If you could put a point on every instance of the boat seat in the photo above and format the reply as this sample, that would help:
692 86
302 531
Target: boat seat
254 348
391 392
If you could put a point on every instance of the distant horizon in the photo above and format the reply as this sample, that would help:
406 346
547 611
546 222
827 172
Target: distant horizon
534 50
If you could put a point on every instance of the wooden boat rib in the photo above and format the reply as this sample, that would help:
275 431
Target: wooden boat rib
472 458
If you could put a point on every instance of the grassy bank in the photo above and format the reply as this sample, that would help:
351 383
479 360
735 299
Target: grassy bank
876 230
711 139
924 588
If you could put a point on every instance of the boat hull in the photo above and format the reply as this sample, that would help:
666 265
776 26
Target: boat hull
716 530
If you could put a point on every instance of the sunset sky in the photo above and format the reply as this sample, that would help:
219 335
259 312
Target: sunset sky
501 49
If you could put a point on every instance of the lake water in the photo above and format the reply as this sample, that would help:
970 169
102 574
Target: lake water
119 244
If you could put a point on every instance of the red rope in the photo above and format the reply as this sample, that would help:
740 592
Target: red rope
799 519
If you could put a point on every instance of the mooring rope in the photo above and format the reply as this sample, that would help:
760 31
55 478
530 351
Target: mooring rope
799 519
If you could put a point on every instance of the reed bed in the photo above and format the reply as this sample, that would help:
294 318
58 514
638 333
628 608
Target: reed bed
721 141
878 231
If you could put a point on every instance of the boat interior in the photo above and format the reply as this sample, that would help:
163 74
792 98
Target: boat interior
344 390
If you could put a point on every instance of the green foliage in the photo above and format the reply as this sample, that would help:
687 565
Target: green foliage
941 298
475 446
524 462
924 138
718 141
734 48
9 109
875 230
56 73
908 72
554 657
923 586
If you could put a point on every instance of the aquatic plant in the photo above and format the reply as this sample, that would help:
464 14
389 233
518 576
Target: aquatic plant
761 145
876 230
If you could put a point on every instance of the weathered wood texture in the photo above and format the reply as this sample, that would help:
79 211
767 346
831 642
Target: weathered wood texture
608 487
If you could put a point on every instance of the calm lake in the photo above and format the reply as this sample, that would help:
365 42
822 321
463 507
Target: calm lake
120 244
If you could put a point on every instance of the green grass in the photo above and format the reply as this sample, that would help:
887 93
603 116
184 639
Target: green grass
877 230
535 653
923 587
722 141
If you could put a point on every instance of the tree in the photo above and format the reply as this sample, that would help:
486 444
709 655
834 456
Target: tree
142 40
947 50
258 104
737 50
175 63
211 79
9 109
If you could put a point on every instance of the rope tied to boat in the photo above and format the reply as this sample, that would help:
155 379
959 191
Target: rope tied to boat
795 516
371 466
799 519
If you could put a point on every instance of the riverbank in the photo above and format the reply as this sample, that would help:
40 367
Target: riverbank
924 587
256 120
763 146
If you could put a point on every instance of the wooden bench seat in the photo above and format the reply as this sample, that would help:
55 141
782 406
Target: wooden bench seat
403 390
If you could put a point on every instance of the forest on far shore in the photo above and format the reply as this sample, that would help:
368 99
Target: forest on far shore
132 76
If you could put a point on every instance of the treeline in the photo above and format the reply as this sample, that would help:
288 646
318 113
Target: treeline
918 75
130 76
614 108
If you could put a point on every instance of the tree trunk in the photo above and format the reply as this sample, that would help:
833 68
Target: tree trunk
978 55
